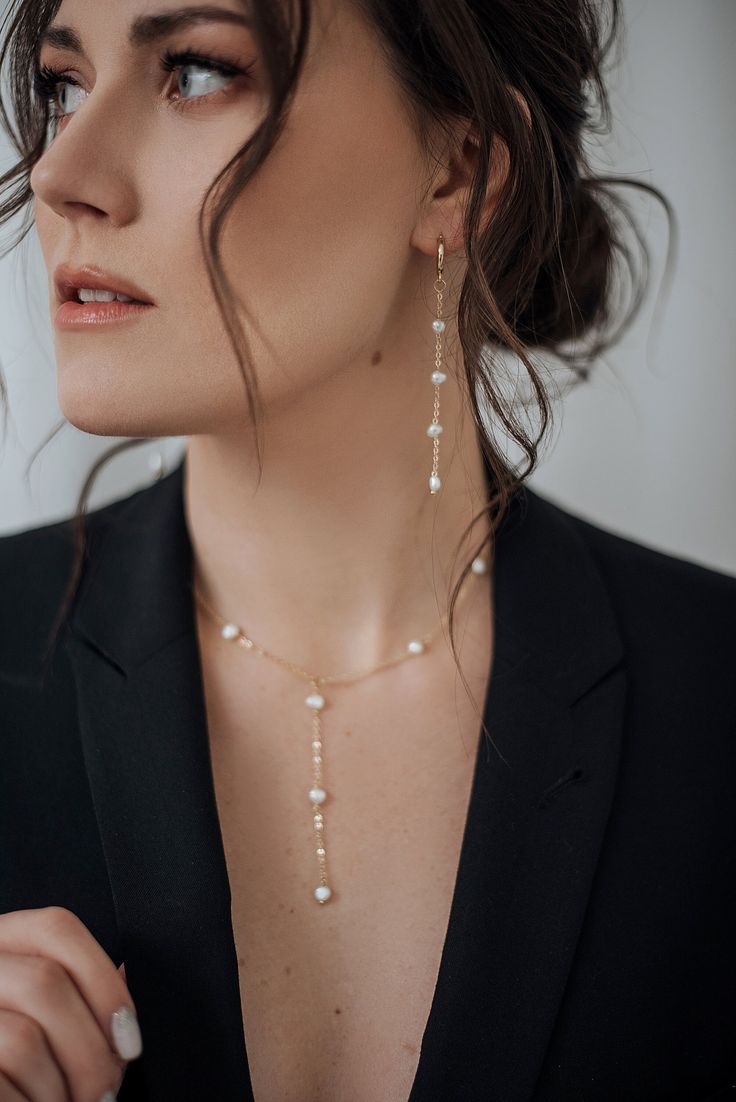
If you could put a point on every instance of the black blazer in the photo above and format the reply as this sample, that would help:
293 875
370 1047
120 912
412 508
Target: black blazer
591 943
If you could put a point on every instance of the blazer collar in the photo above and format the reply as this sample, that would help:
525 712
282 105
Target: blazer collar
554 707
549 596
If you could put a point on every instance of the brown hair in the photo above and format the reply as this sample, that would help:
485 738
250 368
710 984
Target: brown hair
540 275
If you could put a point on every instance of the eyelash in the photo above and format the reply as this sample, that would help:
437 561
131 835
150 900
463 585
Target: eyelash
46 79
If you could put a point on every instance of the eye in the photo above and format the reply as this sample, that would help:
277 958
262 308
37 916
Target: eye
46 82
189 59
49 83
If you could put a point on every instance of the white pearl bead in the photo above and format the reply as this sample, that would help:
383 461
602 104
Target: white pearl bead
438 377
416 646
317 795
478 566
322 893
315 700
438 325
156 464
434 483
434 430
320 851
230 631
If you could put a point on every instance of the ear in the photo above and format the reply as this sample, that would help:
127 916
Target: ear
449 195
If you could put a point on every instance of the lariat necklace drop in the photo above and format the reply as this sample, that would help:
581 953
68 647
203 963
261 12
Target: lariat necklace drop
316 703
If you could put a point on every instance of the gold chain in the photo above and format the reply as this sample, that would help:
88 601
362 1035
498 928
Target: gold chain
244 640
316 702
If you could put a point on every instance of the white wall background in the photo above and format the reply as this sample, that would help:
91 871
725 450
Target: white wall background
647 447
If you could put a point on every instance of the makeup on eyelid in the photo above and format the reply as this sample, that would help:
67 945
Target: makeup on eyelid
47 79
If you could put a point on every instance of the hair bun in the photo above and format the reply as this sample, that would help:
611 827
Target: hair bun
570 295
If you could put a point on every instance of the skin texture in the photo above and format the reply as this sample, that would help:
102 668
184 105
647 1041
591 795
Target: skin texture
340 554
332 247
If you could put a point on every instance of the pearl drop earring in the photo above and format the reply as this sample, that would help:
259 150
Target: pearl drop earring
156 465
438 376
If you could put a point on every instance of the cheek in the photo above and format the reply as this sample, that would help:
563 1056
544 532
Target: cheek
317 242
48 227
315 248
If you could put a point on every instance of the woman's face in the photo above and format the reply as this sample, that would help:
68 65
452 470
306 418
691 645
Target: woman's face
317 247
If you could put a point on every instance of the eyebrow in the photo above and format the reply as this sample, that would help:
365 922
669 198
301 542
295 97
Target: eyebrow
147 29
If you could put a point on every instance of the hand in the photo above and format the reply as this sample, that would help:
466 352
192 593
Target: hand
58 992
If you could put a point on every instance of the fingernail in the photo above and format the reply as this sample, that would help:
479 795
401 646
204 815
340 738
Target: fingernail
109 1096
126 1034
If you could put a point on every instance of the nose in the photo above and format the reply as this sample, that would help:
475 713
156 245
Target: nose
86 169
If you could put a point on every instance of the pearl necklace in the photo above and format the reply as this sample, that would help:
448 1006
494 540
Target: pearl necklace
316 703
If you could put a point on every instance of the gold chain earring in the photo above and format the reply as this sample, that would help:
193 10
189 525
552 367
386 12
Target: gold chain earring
438 376
319 697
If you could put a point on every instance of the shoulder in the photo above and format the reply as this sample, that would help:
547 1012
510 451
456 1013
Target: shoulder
639 574
39 566
676 616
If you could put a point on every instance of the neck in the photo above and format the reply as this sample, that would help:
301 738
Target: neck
339 554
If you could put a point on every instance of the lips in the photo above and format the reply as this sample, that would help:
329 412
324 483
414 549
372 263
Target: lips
68 280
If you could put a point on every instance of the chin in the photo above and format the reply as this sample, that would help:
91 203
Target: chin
95 409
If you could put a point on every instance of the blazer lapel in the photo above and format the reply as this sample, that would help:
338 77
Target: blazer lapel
535 825
538 810
143 728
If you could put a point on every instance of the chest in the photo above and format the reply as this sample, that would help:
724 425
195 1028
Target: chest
335 997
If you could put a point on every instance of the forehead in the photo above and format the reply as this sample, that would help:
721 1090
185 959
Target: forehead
136 24
139 23
341 39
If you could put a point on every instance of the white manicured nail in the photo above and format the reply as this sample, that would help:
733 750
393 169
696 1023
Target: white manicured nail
109 1096
126 1034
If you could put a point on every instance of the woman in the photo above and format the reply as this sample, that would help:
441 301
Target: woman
244 797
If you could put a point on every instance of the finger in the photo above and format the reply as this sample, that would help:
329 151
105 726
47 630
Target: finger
41 989
10 1093
59 933
27 1064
